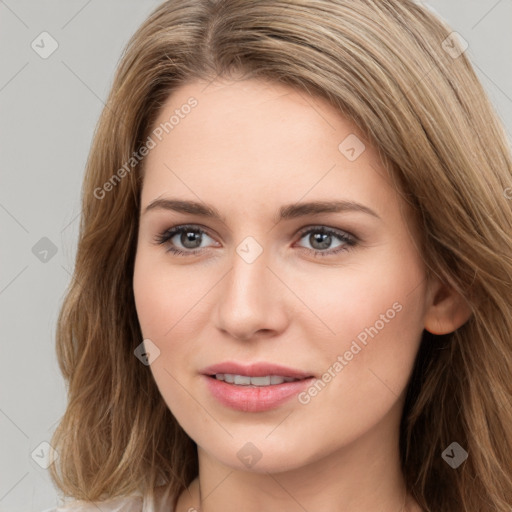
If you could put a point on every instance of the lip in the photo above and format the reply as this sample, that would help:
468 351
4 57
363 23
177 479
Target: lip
254 398
260 369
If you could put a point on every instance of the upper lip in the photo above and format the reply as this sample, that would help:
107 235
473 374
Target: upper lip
260 369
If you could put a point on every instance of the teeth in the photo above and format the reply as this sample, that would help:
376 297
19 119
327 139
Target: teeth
260 381
244 380
276 379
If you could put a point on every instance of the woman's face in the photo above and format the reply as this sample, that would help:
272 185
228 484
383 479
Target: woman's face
337 295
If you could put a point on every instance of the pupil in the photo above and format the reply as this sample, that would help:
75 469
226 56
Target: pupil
188 239
323 238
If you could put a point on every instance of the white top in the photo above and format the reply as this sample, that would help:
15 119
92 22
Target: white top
132 503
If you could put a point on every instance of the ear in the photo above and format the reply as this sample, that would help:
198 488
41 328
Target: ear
446 309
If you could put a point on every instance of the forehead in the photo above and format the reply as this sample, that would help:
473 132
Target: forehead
247 110
256 142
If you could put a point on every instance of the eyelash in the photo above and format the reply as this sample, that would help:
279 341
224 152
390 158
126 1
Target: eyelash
349 240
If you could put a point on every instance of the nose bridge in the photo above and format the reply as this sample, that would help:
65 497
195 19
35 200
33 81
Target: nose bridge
247 285
250 299
249 279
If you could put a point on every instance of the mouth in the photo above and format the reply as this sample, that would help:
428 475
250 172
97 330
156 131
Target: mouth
254 374
246 380
256 387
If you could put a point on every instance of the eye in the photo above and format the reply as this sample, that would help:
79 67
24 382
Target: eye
186 240
190 238
321 238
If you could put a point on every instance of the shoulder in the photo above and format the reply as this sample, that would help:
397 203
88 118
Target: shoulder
119 504
132 503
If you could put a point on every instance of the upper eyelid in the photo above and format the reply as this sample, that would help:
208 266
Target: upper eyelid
312 227
193 227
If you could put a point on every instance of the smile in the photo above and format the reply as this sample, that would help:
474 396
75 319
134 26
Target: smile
245 380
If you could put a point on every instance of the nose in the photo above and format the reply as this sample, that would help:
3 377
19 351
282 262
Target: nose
251 300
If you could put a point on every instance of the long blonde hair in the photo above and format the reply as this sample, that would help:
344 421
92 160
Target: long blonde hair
388 66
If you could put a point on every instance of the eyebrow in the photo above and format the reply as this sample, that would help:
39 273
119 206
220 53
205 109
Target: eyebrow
290 211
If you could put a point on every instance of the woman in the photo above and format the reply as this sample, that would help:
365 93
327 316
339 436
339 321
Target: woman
293 283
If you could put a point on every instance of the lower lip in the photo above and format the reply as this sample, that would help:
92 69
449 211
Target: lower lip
255 398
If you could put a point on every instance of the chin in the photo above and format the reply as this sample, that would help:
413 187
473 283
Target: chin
264 455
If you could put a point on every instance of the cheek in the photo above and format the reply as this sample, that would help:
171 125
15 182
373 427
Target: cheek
163 318
376 315
166 298
150 298
172 308
385 294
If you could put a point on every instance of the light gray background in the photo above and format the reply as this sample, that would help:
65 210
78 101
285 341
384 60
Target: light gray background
48 111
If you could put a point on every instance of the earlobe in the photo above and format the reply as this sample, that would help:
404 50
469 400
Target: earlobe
446 311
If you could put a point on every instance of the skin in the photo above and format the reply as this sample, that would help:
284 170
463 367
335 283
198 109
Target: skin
248 148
